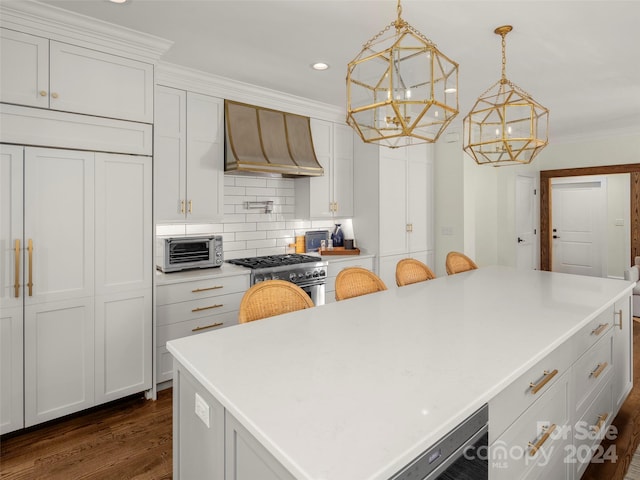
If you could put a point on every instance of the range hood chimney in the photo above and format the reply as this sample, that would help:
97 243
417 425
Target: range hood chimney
261 140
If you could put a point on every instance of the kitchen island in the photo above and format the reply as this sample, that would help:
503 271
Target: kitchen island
359 388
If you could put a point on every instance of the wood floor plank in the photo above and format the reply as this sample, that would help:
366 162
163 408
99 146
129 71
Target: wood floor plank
127 439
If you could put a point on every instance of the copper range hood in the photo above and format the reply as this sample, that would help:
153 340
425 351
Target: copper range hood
264 141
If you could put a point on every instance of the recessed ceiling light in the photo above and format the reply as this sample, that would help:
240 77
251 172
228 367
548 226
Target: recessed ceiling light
117 1
320 66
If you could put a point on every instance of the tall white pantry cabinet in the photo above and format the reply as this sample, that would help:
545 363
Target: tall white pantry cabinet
76 263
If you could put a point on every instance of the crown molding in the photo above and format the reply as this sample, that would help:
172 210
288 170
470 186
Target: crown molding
177 76
62 25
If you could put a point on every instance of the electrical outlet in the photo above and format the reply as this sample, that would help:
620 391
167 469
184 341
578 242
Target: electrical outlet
202 410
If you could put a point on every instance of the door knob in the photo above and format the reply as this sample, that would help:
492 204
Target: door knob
556 236
520 240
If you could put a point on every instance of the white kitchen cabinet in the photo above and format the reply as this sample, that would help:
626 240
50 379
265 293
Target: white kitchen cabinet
11 368
123 263
188 156
622 351
331 195
394 194
45 73
82 305
188 303
58 276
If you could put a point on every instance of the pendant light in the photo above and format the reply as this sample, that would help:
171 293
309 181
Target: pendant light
506 126
401 90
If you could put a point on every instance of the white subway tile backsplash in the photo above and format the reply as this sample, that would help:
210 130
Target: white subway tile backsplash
252 232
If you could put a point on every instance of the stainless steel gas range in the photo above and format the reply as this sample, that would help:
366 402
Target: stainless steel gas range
306 271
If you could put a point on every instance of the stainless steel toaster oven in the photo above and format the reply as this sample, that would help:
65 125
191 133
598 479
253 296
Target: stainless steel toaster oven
182 253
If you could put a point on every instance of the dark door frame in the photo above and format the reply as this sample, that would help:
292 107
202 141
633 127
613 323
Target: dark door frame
545 204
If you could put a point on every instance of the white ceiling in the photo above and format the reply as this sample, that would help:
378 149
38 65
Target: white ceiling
578 58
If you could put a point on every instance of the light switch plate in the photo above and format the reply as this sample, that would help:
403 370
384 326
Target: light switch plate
202 410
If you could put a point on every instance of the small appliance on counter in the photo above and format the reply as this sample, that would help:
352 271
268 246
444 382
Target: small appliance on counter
174 254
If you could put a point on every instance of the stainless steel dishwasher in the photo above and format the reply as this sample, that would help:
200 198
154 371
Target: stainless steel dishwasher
462 454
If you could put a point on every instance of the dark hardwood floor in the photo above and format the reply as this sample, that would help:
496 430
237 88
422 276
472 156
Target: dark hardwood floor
127 439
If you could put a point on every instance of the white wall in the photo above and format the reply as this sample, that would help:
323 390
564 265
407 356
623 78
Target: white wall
494 190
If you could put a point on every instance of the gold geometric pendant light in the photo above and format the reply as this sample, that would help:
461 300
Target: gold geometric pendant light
505 126
401 90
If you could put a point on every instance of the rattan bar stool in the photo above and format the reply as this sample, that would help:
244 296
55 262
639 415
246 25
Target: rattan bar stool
410 270
356 281
270 298
457 262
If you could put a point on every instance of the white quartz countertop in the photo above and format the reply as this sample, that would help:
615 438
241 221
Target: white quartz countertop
356 389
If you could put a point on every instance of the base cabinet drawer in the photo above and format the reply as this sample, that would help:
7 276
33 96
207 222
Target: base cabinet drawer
535 439
195 326
591 371
187 311
529 387
199 289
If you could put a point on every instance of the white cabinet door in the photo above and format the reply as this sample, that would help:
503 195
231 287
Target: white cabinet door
342 170
123 334
205 158
622 352
393 202
11 369
319 188
419 199
170 154
58 225
24 69
58 359
11 289
96 83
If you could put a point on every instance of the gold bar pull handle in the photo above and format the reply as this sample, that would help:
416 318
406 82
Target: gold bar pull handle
599 369
199 309
599 329
536 387
197 329
30 283
16 284
547 431
619 312
181 206
601 421
215 287
190 206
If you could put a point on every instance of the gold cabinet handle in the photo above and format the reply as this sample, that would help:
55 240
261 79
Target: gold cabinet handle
43 93
197 329
30 283
336 204
599 369
54 95
599 329
601 421
16 284
215 287
199 309
181 206
536 387
547 433
190 206
619 312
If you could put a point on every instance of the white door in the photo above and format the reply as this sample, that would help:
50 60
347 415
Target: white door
525 223
577 223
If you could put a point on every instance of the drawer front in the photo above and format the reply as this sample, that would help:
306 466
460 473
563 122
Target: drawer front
591 428
505 407
535 438
594 331
205 307
192 327
212 287
592 370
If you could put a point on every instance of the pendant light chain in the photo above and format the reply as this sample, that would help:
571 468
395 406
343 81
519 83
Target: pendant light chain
504 57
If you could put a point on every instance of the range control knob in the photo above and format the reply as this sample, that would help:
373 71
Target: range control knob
307 274
323 273
315 274
292 277
301 275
